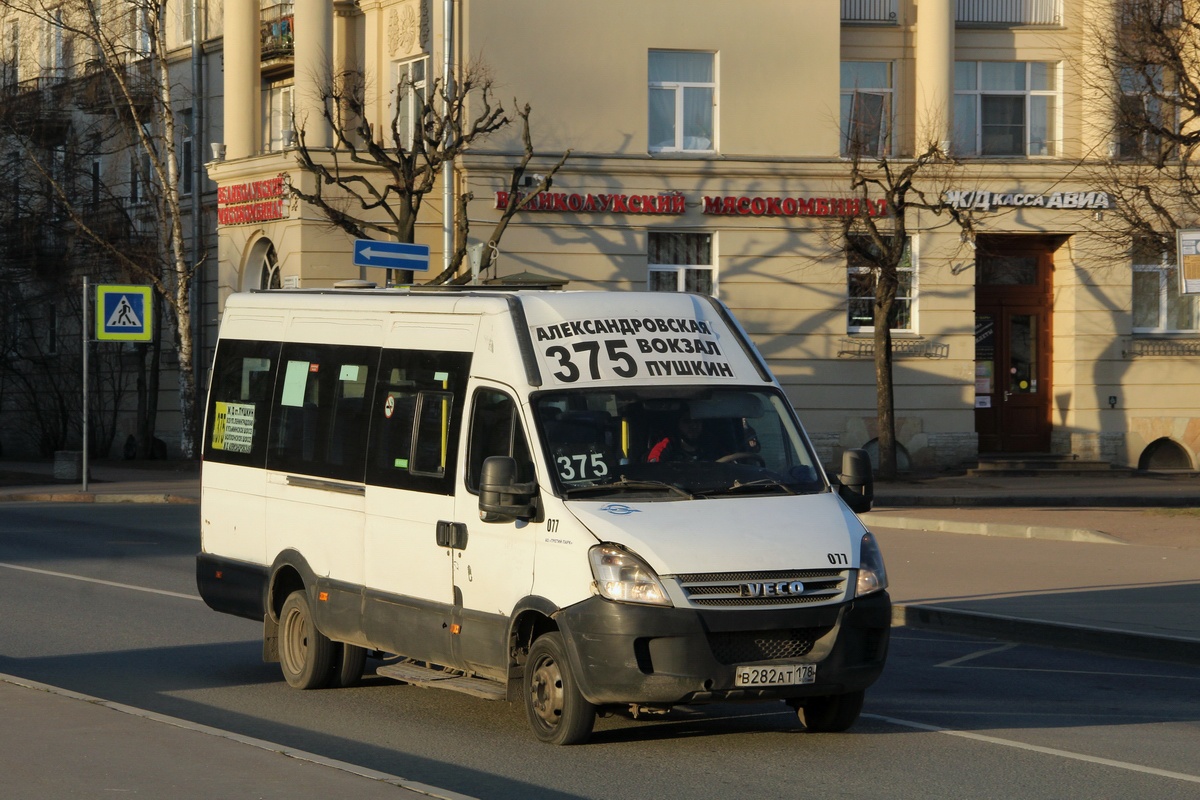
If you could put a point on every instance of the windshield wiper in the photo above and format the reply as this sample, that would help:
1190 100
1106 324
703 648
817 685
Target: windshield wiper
624 484
755 484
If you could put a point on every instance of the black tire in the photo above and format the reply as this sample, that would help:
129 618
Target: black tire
349 661
305 654
557 712
832 714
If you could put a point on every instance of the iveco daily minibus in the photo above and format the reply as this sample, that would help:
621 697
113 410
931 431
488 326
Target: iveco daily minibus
584 502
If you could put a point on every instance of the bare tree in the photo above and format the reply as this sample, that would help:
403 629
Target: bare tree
880 242
114 69
1149 65
379 181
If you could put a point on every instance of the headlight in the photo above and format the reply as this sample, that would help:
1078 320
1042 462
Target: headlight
622 576
872 575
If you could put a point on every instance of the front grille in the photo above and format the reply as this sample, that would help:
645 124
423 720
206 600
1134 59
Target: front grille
724 589
747 647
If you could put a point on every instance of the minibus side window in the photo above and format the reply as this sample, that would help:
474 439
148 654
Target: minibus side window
239 402
496 430
416 420
319 422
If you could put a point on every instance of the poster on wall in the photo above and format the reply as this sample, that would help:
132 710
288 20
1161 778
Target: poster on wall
1188 245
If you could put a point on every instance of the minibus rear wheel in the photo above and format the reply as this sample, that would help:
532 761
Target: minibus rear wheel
305 654
349 661
557 712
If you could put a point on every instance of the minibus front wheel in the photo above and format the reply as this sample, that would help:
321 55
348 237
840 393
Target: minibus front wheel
557 712
305 654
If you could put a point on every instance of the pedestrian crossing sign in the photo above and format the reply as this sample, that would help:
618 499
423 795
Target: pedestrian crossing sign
123 313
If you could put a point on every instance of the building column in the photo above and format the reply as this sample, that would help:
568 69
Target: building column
934 112
314 61
243 80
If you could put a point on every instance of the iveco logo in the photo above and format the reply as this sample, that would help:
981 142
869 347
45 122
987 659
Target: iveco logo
781 589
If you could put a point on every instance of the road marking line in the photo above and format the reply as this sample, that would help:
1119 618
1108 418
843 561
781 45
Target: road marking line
979 737
1089 672
954 662
97 580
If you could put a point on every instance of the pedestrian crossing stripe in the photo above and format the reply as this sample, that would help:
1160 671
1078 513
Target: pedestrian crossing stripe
123 313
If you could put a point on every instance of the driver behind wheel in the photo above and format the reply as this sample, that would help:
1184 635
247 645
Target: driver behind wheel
691 442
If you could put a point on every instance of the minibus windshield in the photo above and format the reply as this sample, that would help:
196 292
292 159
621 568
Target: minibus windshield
674 443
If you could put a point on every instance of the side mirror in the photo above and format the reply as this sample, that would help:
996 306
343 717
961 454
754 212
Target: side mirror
857 481
501 498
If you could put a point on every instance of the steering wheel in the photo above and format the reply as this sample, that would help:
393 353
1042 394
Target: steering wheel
745 455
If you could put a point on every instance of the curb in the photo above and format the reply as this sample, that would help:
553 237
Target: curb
93 497
1038 501
993 529
1107 641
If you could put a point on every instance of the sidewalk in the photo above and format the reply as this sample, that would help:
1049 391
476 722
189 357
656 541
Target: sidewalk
1104 563
115 749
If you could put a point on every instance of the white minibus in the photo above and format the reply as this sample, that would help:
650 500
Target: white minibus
585 502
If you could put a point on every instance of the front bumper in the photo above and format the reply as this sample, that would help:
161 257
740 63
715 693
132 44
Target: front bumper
625 653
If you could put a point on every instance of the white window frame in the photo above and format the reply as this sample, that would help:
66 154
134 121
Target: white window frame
851 100
680 271
52 45
975 95
184 17
409 97
910 298
681 143
277 116
1168 290
142 44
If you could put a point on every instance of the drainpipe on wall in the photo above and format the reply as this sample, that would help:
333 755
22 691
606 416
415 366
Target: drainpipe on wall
199 337
448 164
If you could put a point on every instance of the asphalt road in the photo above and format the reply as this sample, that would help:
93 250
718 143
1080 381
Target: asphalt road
101 600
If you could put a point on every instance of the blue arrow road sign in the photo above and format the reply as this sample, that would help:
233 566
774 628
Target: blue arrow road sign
391 255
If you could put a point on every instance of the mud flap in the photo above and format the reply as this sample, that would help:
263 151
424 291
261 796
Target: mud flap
270 640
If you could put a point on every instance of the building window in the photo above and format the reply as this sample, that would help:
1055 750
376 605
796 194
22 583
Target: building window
861 281
683 96
277 114
681 262
97 182
866 108
407 101
1145 112
143 31
1158 307
1006 108
52 45
268 277
186 153
12 55
51 329
184 9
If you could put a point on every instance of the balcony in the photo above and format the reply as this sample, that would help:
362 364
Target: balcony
277 37
35 107
98 90
967 13
1007 13
874 12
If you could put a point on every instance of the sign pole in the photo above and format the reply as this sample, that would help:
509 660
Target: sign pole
85 384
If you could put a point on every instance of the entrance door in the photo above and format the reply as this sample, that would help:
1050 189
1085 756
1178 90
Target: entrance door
1012 350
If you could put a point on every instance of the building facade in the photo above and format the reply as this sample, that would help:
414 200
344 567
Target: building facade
710 145
89 153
